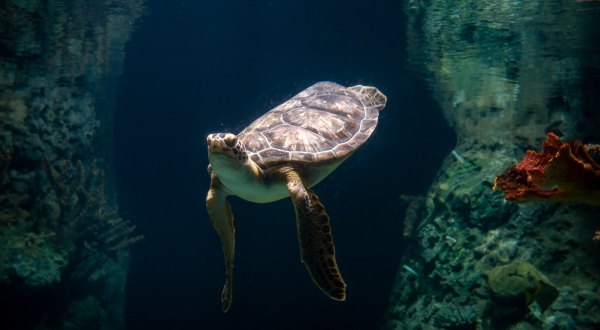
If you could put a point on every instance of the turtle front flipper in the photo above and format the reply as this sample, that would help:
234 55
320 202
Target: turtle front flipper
316 242
220 213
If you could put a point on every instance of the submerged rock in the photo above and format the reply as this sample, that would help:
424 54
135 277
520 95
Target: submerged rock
505 75
59 61
515 286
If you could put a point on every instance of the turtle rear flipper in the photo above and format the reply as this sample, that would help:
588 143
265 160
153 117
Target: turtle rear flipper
316 242
220 213
371 97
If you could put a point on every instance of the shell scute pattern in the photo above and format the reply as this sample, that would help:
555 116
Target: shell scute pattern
255 141
289 138
333 126
275 155
324 122
303 157
314 121
341 105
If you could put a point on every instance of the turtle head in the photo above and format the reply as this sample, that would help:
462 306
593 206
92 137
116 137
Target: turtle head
226 144
228 157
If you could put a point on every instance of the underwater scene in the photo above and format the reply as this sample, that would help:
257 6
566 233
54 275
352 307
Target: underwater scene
254 164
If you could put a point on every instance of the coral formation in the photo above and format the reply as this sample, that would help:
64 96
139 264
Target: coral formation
566 168
58 61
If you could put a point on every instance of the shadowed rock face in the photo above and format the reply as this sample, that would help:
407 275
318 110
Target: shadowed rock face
505 75
59 223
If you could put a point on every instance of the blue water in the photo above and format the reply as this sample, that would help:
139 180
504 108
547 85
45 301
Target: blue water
199 67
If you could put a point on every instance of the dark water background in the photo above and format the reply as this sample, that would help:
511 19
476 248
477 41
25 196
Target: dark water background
200 67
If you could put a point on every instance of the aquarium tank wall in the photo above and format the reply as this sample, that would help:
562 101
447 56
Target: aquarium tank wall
475 204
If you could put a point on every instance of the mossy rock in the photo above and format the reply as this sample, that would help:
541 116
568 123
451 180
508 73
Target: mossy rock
518 284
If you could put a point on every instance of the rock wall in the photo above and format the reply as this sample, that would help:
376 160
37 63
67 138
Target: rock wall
505 73
63 256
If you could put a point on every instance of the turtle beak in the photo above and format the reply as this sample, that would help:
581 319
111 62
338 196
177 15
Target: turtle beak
211 143
209 139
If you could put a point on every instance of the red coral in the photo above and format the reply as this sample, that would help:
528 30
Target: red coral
562 172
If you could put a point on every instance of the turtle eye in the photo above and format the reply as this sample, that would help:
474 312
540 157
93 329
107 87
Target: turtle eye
231 140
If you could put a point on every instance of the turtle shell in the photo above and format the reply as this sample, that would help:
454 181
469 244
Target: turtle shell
325 122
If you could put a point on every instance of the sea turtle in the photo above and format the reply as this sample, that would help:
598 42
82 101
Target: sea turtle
283 154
